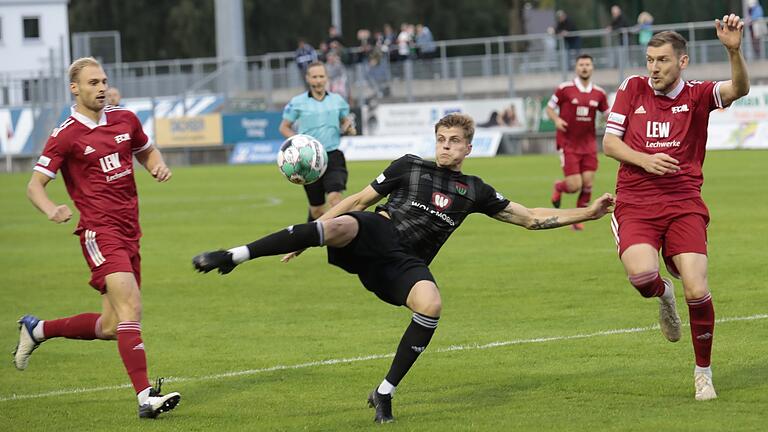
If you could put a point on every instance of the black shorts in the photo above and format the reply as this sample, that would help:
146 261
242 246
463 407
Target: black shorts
334 179
378 259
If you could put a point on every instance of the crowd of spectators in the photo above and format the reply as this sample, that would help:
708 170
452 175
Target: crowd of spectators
376 50
373 51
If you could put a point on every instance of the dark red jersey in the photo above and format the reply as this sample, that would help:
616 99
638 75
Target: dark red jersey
578 106
96 161
675 124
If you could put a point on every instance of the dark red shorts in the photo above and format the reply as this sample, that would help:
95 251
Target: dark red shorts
106 254
674 227
575 163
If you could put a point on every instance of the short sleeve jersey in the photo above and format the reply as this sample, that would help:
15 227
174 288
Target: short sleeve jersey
320 119
673 123
96 161
578 106
427 203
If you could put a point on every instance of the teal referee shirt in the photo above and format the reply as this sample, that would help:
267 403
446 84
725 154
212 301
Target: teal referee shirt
320 119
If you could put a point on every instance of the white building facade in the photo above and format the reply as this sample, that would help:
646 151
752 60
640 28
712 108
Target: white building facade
34 42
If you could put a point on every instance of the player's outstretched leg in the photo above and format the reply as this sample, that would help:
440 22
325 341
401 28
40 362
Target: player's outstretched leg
291 239
158 403
219 259
382 403
27 341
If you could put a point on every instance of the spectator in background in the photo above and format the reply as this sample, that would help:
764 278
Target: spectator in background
388 42
617 22
425 42
112 96
757 27
563 28
366 45
550 41
404 41
338 49
322 51
376 73
644 31
337 75
304 56
334 36
506 117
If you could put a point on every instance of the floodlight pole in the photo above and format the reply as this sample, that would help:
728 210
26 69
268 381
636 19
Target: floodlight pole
336 15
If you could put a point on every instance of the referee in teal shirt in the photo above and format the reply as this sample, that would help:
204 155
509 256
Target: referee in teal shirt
324 116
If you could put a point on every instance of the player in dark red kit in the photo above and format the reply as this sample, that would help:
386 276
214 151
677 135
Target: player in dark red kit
657 129
578 102
94 150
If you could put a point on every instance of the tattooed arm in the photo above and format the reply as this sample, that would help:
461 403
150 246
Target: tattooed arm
546 218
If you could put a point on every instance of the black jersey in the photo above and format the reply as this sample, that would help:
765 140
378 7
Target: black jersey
427 203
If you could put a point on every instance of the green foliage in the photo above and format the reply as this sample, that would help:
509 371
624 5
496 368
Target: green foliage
499 283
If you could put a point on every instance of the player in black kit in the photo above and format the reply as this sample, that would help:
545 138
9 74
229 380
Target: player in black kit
390 249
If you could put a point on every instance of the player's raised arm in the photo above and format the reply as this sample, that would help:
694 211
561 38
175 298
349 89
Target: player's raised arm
730 31
546 218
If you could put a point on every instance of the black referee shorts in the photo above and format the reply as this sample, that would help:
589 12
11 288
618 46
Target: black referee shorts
334 179
378 259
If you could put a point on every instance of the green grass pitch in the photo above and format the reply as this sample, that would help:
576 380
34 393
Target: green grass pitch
524 343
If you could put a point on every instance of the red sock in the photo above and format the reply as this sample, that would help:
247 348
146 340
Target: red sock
584 197
702 315
560 187
81 326
131 349
649 283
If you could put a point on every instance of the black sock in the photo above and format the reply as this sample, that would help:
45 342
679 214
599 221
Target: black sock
414 342
291 239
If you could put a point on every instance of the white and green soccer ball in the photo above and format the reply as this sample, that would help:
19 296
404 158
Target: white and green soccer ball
302 159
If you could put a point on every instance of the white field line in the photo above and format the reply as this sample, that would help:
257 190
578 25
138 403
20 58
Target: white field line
72 391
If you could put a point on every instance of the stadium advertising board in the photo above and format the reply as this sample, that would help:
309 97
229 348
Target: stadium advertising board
506 115
188 131
255 152
252 126
16 130
485 144
743 125
20 126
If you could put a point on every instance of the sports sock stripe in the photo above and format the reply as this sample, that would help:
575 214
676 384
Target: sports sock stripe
699 301
425 321
642 278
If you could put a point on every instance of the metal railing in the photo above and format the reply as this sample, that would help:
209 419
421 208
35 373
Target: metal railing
263 77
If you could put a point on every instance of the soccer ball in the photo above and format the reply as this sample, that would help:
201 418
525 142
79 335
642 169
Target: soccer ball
302 159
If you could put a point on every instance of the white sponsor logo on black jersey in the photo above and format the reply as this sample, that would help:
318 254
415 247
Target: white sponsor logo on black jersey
441 201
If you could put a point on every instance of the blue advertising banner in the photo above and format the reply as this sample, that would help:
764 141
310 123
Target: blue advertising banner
255 152
250 127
